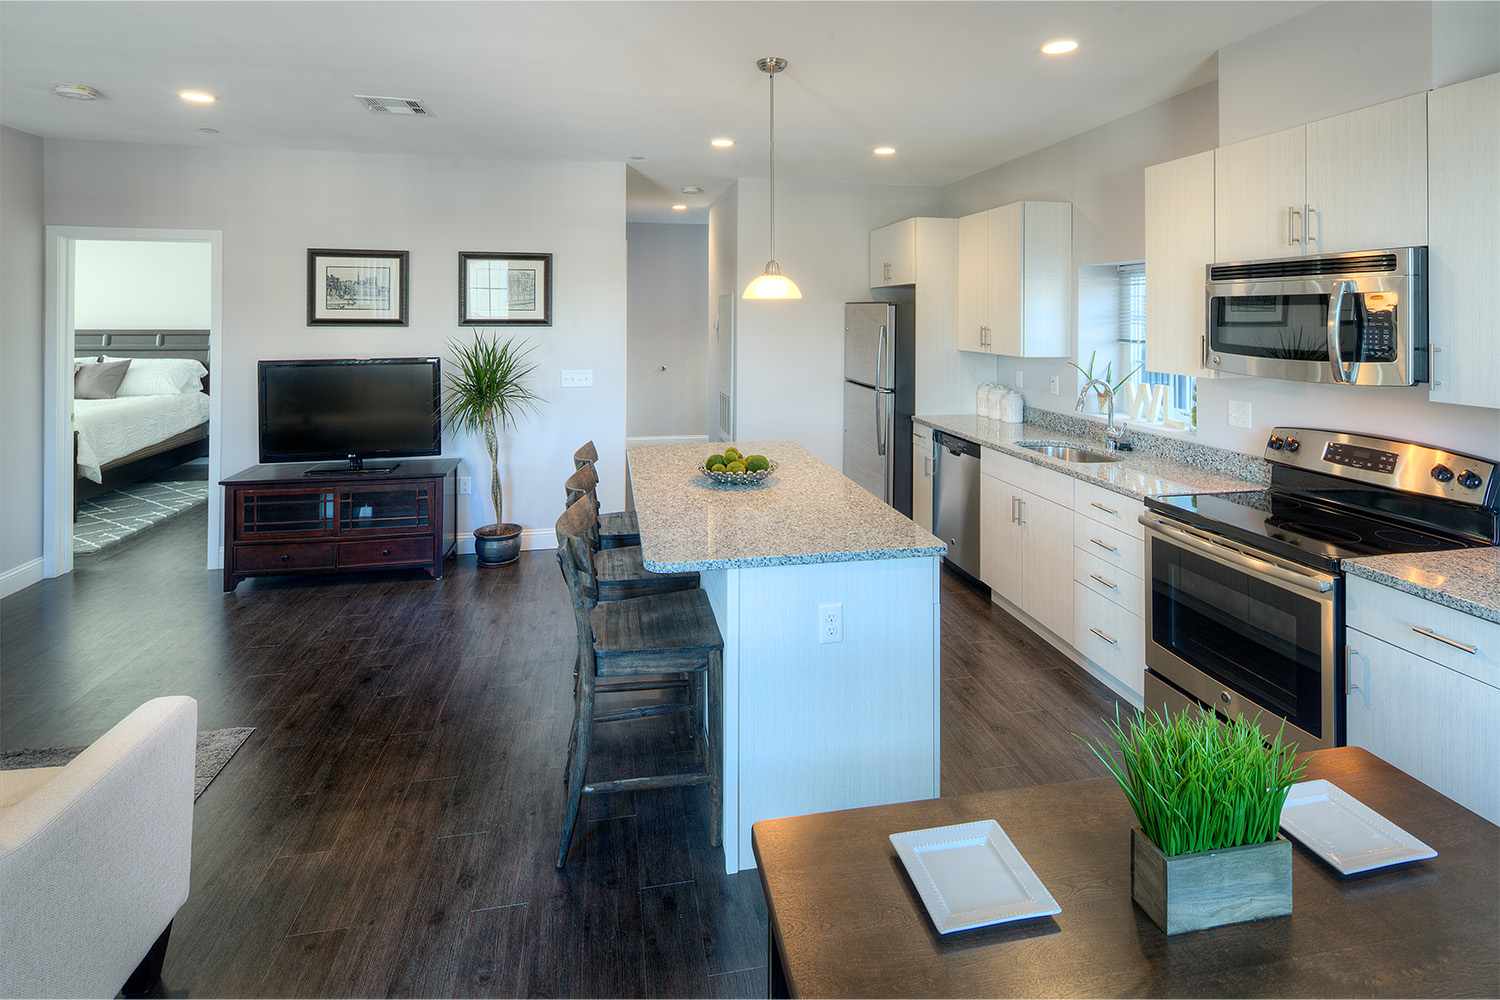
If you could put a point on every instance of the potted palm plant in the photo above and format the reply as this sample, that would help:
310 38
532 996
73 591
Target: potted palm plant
487 392
1208 797
1107 377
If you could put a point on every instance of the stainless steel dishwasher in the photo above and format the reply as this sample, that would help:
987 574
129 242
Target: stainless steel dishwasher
955 501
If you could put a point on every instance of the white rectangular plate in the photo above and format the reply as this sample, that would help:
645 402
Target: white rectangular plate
1345 832
971 875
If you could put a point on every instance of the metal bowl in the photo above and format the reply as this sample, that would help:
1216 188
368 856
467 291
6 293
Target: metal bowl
740 478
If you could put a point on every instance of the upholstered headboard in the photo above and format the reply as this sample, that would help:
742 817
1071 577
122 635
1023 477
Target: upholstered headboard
143 343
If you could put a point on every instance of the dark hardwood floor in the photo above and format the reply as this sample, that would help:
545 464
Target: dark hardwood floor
390 827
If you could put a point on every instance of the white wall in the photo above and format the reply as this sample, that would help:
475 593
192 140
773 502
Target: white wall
142 286
667 327
21 301
791 353
273 205
1102 172
723 272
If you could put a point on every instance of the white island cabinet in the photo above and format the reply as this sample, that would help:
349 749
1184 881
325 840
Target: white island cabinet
809 725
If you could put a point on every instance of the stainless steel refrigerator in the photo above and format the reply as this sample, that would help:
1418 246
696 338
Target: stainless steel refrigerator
878 391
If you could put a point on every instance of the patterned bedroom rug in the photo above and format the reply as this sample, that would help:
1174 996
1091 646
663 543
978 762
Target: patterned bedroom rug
115 516
214 750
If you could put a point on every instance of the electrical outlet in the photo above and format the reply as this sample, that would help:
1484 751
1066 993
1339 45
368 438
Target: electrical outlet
1054 385
577 378
1018 379
465 486
830 623
1239 414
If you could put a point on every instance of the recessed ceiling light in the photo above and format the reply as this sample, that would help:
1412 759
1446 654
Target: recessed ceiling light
692 189
209 131
637 157
722 143
196 97
679 208
884 150
75 92
1059 46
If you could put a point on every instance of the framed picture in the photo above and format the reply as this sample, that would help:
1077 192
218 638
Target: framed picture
357 287
505 289
1254 310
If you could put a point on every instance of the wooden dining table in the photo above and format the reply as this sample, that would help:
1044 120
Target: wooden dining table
847 921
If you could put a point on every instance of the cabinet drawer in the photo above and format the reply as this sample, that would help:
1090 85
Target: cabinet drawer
1109 581
271 558
387 552
1397 617
1108 507
1045 483
1111 637
1125 552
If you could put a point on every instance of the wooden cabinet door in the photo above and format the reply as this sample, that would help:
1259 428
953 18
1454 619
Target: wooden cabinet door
1000 538
1047 563
1179 246
1435 724
1005 280
1258 184
973 281
1463 254
1367 178
921 481
893 254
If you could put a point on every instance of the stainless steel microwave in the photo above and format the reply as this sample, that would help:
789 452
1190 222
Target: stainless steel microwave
1344 318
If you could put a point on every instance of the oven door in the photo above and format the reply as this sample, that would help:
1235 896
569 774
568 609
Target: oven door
1354 329
1244 633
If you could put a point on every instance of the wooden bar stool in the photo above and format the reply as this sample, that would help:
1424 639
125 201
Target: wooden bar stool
621 571
617 528
663 633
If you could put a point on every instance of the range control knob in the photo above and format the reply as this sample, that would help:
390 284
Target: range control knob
1442 473
1469 480
1293 445
1275 443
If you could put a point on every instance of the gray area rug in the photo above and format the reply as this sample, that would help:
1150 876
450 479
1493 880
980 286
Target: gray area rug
214 750
115 516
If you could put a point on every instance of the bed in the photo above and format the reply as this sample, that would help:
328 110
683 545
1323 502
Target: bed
131 437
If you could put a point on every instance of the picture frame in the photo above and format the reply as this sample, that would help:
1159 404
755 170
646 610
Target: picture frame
357 287
504 289
1255 310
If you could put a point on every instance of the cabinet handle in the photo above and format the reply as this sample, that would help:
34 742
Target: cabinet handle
1014 516
1101 579
887 273
385 552
1452 642
1349 654
1307 236
1291 232
1103 636
1102 545
926 466
285 557
1106 510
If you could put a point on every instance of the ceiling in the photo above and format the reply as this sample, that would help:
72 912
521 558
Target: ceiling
956 87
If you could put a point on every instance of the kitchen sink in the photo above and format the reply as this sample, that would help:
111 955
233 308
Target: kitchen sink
1078 456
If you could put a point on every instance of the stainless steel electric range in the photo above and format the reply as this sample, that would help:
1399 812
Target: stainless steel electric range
1245 612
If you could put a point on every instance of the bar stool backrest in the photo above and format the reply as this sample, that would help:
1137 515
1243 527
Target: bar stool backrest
584 483
587 455
575 556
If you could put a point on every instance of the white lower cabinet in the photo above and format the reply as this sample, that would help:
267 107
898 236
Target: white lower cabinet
1111 637
1024 534
921 478
1109 558
1424 691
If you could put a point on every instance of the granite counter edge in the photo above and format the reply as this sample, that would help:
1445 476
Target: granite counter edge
1488 612
792 559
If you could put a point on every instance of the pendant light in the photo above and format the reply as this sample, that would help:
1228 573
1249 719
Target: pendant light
773 284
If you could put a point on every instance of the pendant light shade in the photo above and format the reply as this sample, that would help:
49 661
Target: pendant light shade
772 284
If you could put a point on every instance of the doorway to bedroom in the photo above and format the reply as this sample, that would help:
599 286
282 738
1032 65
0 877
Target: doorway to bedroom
130 411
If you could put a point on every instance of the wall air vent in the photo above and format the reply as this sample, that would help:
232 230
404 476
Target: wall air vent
393 105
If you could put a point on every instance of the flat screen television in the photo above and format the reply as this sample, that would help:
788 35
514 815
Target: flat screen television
351 410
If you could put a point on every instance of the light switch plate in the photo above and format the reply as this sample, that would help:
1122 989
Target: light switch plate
577 378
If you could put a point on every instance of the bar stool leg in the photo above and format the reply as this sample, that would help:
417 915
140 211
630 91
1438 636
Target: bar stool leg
713 713
583 726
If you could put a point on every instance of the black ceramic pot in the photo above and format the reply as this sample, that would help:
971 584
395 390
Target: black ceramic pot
497 544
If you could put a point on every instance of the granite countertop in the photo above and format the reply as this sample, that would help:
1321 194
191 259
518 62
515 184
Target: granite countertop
804 512
1466 580
1137 474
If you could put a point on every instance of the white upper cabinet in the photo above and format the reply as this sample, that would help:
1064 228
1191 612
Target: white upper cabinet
893 254
1356 181
1463 254
1015 280
1179 247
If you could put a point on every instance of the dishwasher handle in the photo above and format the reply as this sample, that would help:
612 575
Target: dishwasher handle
955 445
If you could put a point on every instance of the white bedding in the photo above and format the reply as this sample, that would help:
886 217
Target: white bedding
113 428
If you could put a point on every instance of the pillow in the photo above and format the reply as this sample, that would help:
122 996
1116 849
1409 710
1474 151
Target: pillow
161 376
99 381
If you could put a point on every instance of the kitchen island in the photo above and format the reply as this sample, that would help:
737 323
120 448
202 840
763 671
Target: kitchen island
809 725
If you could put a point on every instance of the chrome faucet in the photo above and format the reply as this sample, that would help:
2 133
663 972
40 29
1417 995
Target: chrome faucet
1115 435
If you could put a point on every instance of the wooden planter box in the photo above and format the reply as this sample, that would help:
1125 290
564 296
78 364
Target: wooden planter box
1191 892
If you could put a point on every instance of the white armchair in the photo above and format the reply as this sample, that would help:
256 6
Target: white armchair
95 857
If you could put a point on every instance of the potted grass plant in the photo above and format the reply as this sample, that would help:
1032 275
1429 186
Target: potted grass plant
487 392
1208 798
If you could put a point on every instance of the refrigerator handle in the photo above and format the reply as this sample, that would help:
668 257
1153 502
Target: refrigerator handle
883 362
880 442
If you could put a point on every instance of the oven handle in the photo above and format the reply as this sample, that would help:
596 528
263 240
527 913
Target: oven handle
1212 545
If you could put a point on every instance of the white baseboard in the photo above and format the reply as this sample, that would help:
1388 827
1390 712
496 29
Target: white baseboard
20 577
531 538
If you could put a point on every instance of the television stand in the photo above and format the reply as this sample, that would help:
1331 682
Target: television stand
275 521
379 469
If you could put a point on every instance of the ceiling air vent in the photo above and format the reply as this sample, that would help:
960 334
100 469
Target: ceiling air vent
393 105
